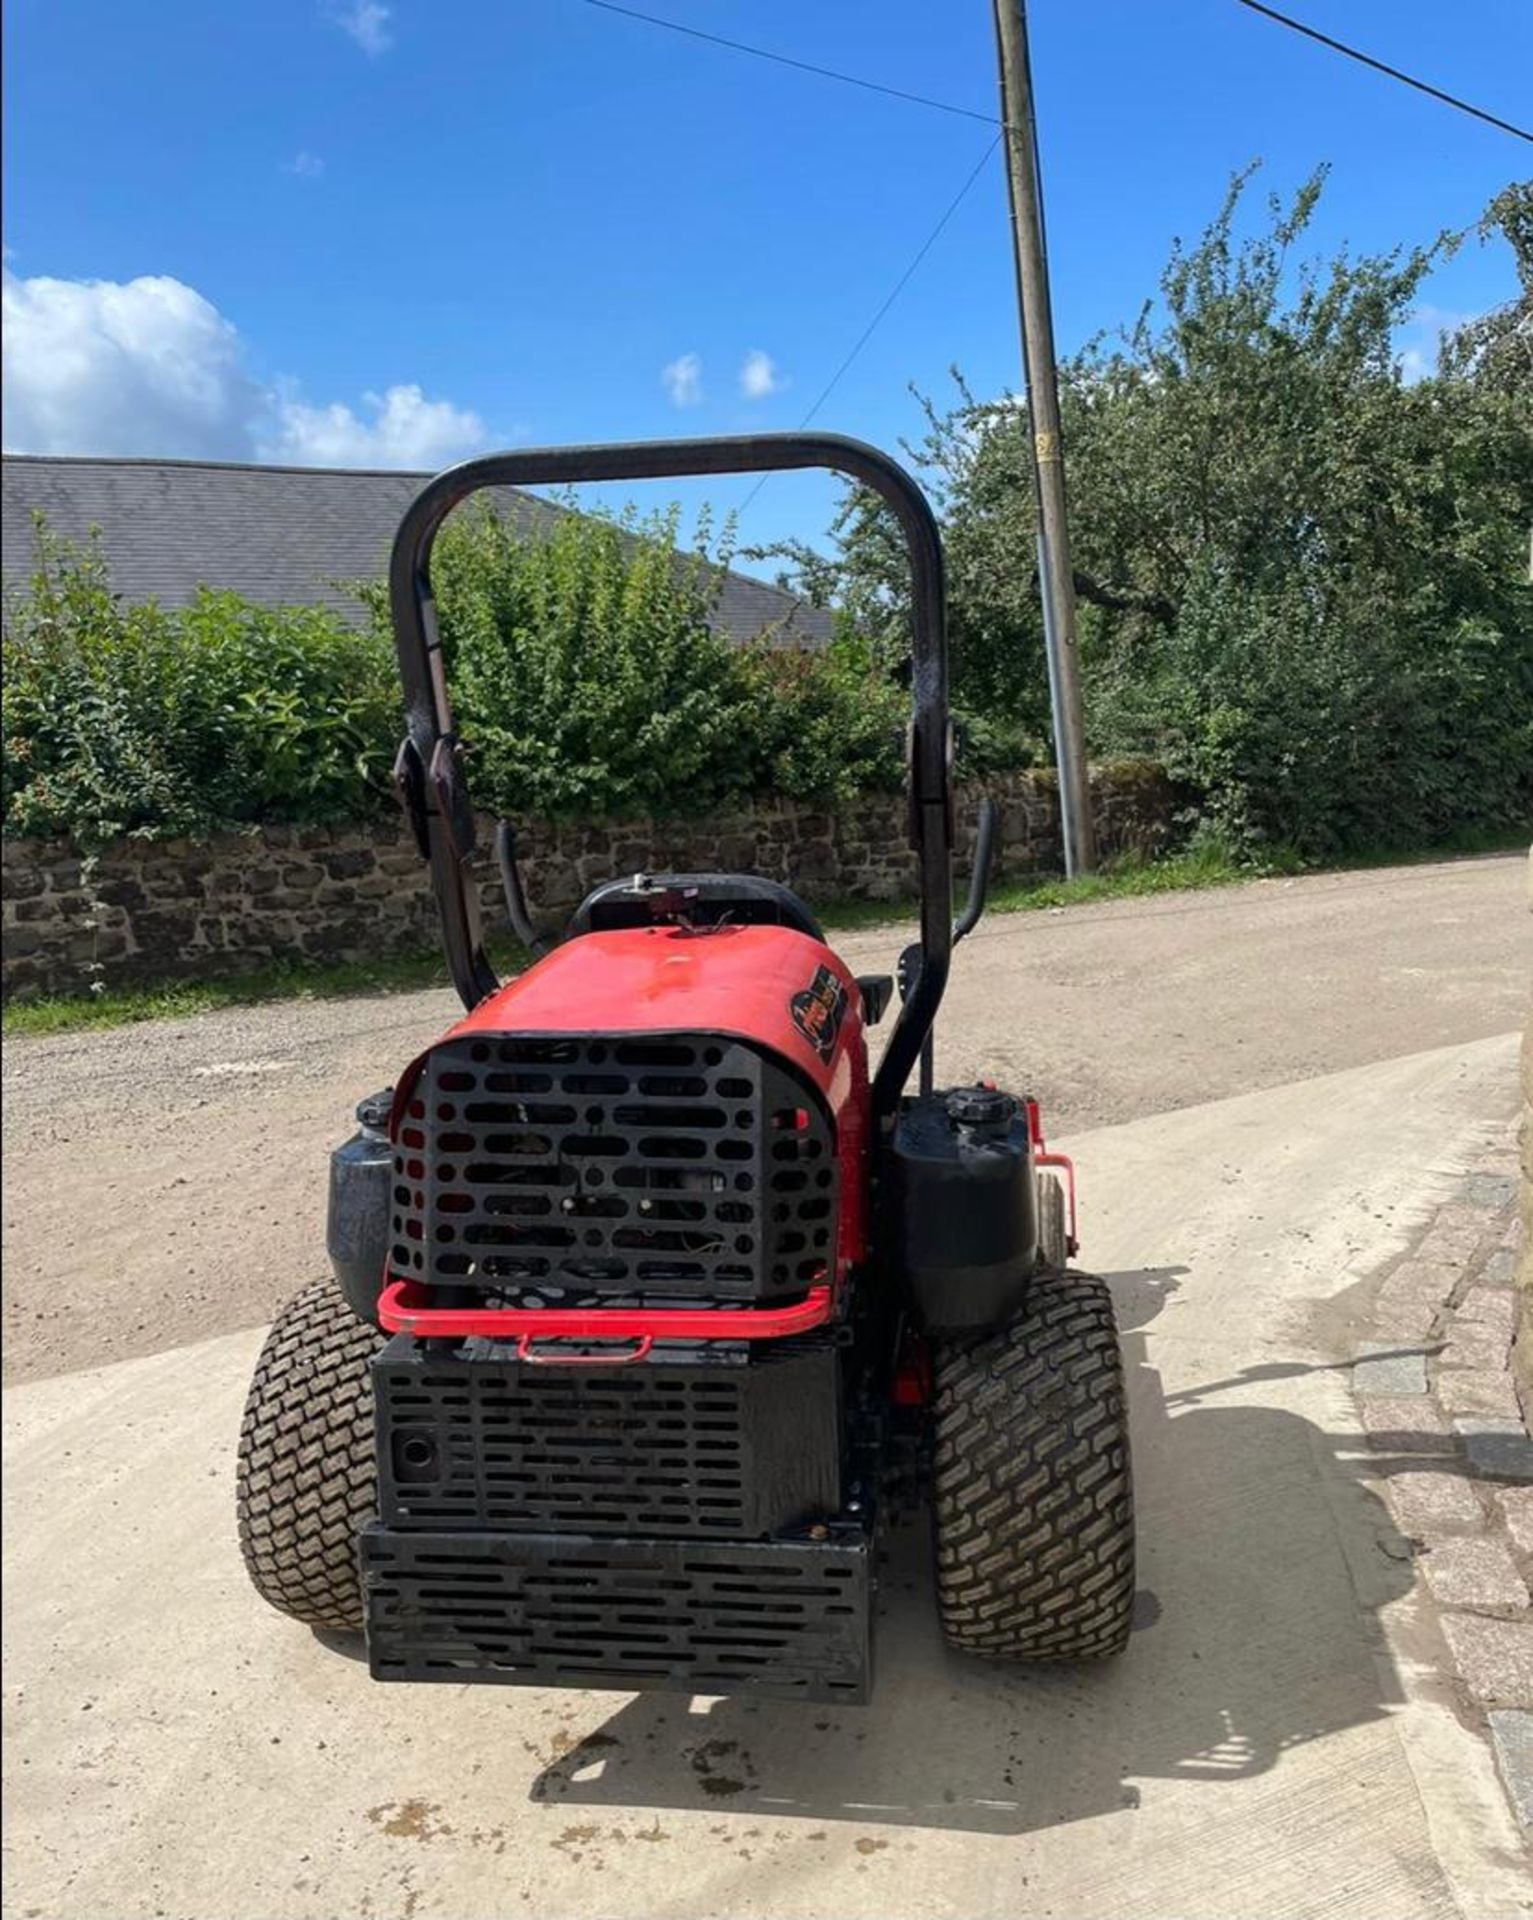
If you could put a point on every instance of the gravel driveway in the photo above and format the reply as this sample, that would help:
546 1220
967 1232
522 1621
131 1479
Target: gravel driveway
166 1182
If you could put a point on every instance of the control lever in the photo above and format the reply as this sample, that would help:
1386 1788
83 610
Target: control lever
967 921
410 789
516 899
979 880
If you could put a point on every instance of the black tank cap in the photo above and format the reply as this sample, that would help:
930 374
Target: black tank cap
980 1107
373 1112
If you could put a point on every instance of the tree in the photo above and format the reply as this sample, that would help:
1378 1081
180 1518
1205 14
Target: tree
1496 349
1302 581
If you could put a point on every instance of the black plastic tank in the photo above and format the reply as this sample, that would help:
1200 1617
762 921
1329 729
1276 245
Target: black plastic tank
965 1214
357 1230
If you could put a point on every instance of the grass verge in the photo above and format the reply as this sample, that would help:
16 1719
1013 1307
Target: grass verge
121 1006
1205 864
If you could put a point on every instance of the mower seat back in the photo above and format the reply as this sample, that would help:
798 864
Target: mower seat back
706 899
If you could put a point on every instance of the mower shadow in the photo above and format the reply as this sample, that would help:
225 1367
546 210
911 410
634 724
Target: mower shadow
1252 1635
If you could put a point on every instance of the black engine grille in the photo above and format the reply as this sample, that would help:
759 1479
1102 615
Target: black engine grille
732 1443
784 1619
541 1169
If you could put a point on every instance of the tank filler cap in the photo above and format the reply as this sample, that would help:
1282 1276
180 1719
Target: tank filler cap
981 1109
373 1112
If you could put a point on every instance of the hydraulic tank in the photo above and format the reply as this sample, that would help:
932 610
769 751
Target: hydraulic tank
965 1218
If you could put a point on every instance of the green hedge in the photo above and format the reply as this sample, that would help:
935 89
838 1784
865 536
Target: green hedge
135 719
584 671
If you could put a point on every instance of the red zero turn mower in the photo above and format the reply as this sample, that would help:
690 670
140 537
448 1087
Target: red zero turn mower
647 1295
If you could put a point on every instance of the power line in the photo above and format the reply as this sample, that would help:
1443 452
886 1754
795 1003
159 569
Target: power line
894 293
1379 66
989 119
802 66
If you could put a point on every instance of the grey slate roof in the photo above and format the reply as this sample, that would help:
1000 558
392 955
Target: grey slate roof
280 535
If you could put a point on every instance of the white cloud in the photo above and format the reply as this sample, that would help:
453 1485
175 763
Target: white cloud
149 368
145 366
308 166
367 21
405 430
759 376
683 380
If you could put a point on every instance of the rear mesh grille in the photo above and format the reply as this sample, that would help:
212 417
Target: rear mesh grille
739 1447
536 1610
662 1168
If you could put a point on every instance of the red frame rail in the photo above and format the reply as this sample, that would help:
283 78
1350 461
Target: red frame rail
403 1307
1043 1156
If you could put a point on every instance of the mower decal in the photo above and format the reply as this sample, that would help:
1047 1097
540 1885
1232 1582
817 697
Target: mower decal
818 1010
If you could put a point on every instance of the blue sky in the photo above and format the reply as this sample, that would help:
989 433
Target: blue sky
339 230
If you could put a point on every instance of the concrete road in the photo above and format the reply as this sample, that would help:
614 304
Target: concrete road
1274 1742
166 1182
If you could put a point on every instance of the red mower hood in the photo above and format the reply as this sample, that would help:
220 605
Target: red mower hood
772 985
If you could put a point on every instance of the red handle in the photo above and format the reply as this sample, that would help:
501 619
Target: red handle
524 1351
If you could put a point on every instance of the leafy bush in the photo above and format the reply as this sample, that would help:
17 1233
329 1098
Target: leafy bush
584 673
145 720
588 680
826 724
1333 727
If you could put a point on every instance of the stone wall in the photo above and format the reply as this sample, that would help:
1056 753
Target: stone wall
172 909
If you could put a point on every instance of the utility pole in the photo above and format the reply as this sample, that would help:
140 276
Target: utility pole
1041 381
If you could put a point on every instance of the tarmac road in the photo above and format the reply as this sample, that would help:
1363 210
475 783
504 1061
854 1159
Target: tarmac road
166 1182
1274 1742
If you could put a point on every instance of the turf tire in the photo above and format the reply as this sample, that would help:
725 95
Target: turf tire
1053 1227
1032 1485
306 1478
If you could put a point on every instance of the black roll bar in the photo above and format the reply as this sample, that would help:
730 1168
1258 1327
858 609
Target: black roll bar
429 771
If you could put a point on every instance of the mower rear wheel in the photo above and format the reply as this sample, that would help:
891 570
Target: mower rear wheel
1032 1486
1053 1223
306 1477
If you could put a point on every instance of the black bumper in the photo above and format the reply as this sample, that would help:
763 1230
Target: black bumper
721 1441
700 1520
786 1619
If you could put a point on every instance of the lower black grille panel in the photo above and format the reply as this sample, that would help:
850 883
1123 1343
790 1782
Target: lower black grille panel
786 1619
735 1444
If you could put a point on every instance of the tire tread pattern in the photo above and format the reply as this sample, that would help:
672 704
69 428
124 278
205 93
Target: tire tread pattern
307 1478
1032 1481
